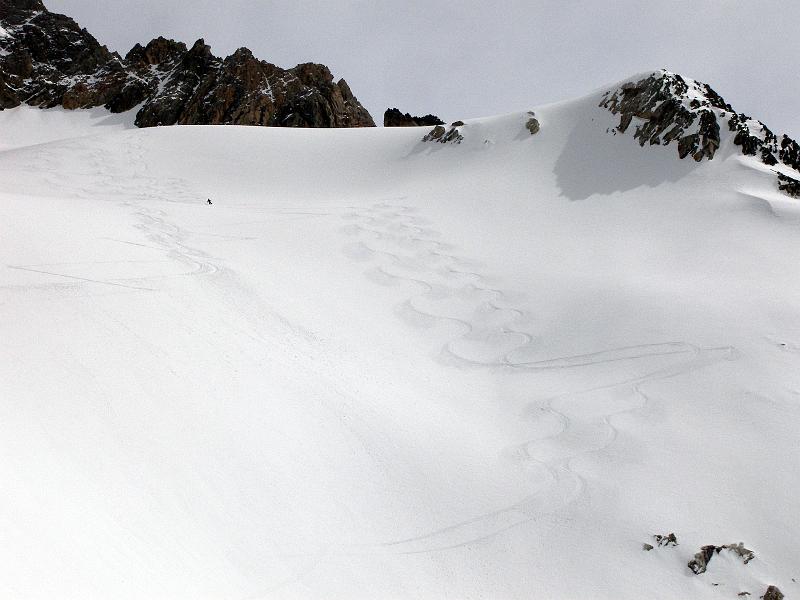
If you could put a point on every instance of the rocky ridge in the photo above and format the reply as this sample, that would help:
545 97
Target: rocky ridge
48 60
394 118
665 107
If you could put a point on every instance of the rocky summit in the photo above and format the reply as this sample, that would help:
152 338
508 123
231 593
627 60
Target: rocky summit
48 60
665 107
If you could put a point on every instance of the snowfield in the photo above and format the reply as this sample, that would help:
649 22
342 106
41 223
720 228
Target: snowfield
382 368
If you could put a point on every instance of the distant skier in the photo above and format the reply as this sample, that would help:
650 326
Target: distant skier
208 200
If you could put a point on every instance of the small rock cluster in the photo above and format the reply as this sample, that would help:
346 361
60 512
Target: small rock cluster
669 108
444 136
394 118
48 60
699 563
666 540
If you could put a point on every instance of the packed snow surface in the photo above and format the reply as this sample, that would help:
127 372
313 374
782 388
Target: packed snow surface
381 368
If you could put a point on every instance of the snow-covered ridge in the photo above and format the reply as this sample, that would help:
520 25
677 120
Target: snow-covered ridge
28 126
663 108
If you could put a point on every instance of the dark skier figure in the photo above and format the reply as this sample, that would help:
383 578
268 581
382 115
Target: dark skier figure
208 200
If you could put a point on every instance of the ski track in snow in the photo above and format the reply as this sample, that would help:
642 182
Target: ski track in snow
495 333
401 247
142 189
135 193
543 423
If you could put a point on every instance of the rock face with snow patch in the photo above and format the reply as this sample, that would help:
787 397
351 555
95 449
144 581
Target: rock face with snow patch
665 107
47 60
663 114
789 185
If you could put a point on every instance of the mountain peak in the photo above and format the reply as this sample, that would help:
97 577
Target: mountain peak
668 107
157 51
664 107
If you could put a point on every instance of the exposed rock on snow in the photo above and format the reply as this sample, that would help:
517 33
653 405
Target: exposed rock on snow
756 139
745 554
668 107
772 593
47 60
394 118
668 112
666 540
699 563
434 134
443 136
532 124
789 185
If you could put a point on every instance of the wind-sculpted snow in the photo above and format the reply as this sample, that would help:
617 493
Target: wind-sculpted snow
427 371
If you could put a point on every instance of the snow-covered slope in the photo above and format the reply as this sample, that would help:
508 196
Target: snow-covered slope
378 367
26 126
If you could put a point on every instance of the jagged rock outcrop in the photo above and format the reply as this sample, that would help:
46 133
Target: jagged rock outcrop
665 107
658 101
394 118
45 57
48 60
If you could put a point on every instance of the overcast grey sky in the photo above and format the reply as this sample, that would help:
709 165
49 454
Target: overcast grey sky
469 59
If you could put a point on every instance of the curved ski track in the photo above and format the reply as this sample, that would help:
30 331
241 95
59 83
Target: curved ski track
496 333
